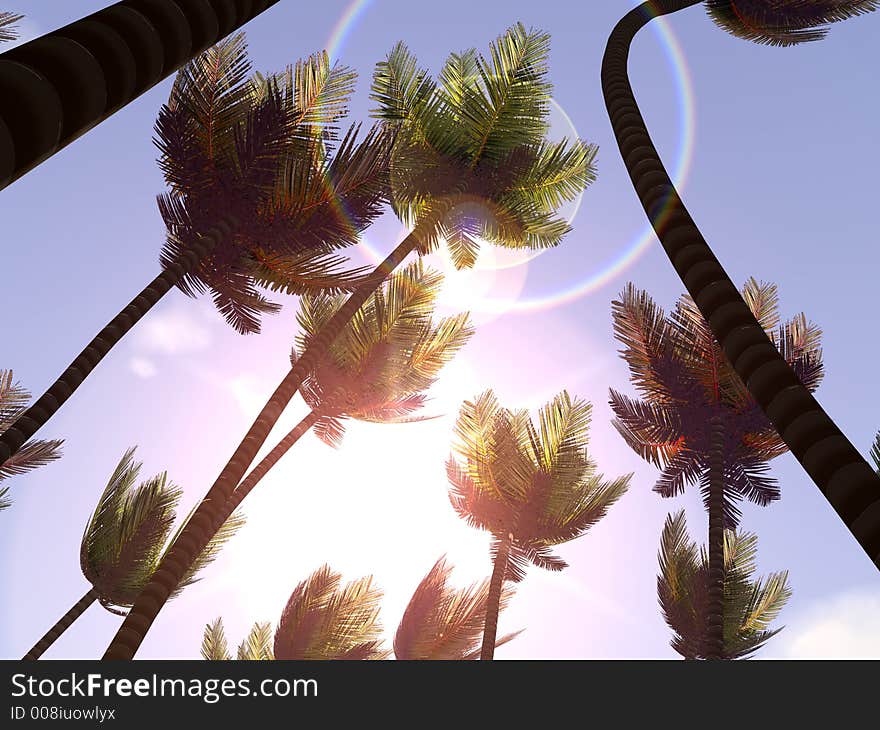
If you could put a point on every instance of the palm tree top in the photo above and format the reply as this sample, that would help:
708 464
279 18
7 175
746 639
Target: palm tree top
442 623
536 485
784 22
264 149
14 400
750 606
385 358
256 646
471 161
324 619
8 31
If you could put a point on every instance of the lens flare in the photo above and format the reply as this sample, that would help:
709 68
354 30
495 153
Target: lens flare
493 260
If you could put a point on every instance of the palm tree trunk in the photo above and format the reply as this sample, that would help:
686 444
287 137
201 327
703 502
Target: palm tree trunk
493 600
268 461
715 607
208 517
834 464
35 417
52 635
93 67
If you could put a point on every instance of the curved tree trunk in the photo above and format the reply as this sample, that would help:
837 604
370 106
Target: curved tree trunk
493 600
63 624
35 417
715 607
834 464
208 517
55 88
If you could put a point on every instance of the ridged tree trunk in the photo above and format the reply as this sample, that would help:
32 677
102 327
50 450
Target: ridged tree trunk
835 465
52 635
715 607
493 600
35 417
55 88
209 515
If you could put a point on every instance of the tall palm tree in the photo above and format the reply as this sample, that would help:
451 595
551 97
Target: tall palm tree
750 606
834 464
696 420
475 142
530 487
13 402
442 623
323 619
379 368
124 541
78 75
254 197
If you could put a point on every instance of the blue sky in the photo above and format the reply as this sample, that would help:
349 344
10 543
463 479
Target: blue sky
783 145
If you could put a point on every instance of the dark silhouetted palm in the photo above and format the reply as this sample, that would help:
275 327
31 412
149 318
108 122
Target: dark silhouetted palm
750 606
444 623
13 402
323 619
485 121
696 420
124 541
8 29
835 465
530 487
258 195
875 452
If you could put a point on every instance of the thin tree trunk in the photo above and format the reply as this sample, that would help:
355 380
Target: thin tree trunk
35 417
835 465
209 515
52 635
715 607
493 600
43 112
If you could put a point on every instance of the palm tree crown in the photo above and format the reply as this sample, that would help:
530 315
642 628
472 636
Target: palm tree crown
34 453
257 149
534 486
685 380
442 623
387 356
470 161
783 22
750 606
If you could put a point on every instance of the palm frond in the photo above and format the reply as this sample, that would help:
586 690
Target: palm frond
214 646
8 31
209 553
257 645
875 452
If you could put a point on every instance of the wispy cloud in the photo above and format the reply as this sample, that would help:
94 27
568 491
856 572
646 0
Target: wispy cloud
845 626
142 367
172 331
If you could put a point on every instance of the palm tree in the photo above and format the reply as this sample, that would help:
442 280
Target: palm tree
696 420
124 541
379 368
13 402
875 452
254 197
530 487
834 464
442 623
93 67
323 619
8 31
750 606
471 163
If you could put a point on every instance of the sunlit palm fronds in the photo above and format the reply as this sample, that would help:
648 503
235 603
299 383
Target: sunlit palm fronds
471 163
13 402
8 21
324 619
214 647
442 623
535 486
783 22
386 357
685 379
257 645
750 606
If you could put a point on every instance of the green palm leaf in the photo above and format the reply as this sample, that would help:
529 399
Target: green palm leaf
257 645
214 646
